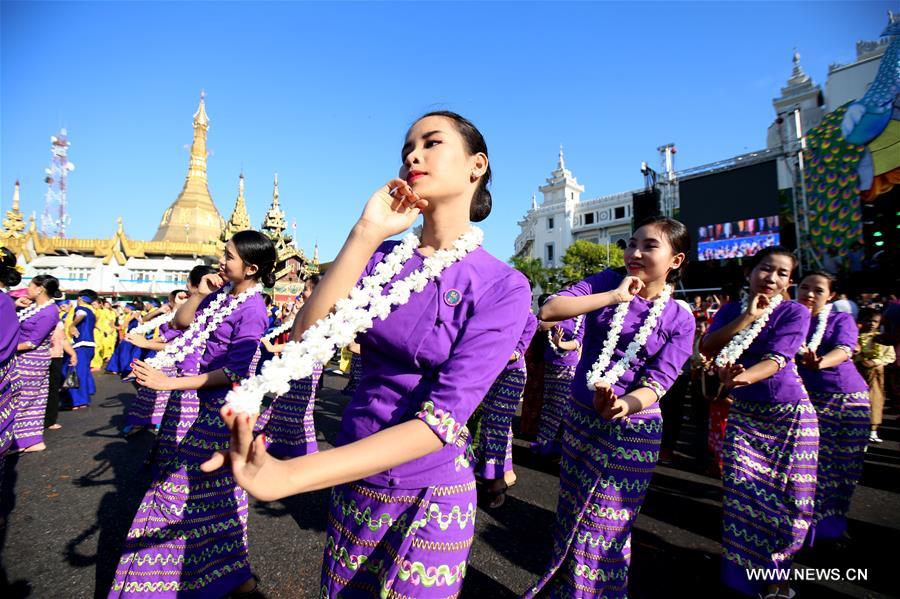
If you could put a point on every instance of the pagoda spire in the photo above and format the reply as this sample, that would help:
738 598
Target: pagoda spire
13 231
561 165
316 253
798 76
274 224
193 215
240 219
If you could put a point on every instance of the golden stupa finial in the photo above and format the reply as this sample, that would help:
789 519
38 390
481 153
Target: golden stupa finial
200 117
14 223
194 205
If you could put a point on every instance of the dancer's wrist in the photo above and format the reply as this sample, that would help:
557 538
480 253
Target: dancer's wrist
367 232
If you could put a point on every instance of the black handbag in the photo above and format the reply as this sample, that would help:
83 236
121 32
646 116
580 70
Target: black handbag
71 381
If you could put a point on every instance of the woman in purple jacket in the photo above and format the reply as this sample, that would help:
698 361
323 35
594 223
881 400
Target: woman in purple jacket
9 341
37 322
637 340
841 398
772 438
403 505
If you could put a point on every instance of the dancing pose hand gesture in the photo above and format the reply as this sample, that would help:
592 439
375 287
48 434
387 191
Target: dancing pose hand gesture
811 360
247 457
609 405
557 335
729 375
136 340
758 305
211 283
628 288
392 209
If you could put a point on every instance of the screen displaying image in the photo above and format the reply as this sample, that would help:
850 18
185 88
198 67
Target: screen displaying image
737 239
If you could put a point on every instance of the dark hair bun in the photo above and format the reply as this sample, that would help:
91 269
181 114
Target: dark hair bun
480 208
49 283
268 279
9 276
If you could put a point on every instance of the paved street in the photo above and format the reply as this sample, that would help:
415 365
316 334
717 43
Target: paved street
74 502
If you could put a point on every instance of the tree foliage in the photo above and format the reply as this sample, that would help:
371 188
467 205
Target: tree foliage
532 269
583 258
580 260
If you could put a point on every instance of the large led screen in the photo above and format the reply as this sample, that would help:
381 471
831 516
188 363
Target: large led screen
737 239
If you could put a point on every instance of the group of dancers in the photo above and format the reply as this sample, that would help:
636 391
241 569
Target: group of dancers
403 472
41 355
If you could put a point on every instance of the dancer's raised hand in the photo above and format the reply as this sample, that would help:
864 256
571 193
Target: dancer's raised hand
730 376
249 461
136 340
147 376
757 305
628 288
609 405
811 360
211 283
557 335
392 209
604 396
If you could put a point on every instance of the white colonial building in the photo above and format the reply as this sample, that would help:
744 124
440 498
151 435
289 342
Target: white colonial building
563 217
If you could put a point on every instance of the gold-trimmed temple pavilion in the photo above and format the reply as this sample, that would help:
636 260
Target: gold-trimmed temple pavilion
191 232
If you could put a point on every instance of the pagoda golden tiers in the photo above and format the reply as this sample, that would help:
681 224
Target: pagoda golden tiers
193 215
191 231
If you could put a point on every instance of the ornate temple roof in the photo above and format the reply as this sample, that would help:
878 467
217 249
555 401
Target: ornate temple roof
274 224
203 238
240 219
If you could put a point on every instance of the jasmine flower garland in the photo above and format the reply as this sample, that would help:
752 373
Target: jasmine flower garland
352 315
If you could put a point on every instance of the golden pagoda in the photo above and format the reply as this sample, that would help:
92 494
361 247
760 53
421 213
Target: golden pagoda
13 234
240 219
191 232
193 215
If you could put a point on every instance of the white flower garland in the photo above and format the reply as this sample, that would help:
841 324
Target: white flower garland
32 310
561 352
744 338
352 315
285 326
150 325
598 372
821 323
194 338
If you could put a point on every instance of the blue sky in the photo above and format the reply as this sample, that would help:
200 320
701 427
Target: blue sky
323 94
